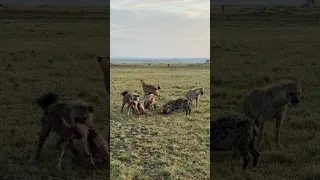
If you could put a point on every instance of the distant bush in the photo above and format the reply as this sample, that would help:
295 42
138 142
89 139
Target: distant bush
44 5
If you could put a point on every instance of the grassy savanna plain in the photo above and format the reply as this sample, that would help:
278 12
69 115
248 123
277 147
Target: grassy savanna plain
159 146
45 49
254 47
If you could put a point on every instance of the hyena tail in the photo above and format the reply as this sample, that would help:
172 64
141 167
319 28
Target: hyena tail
46 100
124 93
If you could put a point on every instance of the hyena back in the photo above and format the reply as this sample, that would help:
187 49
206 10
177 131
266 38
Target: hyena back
228 132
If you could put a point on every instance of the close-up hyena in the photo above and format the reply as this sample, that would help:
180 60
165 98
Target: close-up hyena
234 132
271 102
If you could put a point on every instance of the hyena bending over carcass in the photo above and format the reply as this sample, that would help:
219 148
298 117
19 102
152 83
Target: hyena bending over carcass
53 112
150 101
181 103
130 99
235 132
271 102
90 138
195 94
150 89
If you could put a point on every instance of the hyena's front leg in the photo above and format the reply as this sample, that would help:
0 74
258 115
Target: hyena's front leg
85 144
45 130
260 136
279 117
197 99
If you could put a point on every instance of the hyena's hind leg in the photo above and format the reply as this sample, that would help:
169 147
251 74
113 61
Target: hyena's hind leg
74 150
244 150
256 155
253 148
45 130
187 110
123 104
197 100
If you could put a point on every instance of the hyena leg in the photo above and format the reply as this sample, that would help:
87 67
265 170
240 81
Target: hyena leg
186 109
255 153
61 153
122 106
155 106
260 135
189 109
85 144
129 108
279 118
244 149
74 150
197 99
45 130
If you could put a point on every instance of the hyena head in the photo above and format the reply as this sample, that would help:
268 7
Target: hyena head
135 97
202 91
82 113
293 92
156 92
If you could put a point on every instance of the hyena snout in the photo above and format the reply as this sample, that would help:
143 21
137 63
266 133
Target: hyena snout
81 119
295 99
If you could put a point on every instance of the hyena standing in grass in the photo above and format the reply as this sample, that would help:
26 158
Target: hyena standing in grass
235 132
53 112
195 94
170 106
150 89
271 102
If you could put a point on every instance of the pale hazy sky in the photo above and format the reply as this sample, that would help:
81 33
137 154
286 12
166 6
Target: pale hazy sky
160 28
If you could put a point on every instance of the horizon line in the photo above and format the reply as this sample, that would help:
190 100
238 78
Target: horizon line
159 57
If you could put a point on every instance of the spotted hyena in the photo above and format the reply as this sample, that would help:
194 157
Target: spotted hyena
271 102
181 103
235 132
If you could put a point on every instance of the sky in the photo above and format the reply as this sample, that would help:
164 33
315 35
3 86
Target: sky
160 28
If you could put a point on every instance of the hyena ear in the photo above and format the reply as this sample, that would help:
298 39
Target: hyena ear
99 58
90 109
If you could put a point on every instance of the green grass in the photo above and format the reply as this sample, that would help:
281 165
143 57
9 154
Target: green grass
160 146
42 52
248 48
